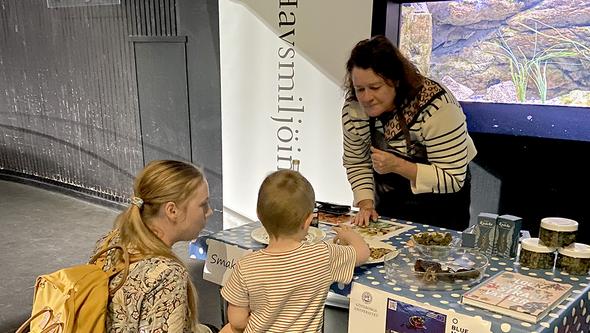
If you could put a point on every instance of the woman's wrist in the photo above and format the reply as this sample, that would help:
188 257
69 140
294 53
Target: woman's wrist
366 204
408 170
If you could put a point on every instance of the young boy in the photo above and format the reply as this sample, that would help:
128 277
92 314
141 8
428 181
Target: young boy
283 287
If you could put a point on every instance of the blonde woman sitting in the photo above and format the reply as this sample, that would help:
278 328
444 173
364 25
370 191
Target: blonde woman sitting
170 204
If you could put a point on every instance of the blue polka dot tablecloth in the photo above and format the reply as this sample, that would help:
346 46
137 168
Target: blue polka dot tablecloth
571 316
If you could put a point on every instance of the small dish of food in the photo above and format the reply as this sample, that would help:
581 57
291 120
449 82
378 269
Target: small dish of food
432 238
379 250
461 268
435 244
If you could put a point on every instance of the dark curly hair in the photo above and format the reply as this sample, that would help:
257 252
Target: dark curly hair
386 60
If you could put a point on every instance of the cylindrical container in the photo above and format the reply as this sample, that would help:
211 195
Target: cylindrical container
574 259
558 231
315 220
534 254
295 165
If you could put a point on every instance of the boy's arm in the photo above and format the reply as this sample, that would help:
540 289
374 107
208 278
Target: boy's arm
226 329
235 291
346 236
238 317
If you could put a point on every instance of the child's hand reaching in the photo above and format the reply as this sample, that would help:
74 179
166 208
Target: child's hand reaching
345 235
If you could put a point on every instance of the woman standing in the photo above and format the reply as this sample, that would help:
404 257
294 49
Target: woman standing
406 146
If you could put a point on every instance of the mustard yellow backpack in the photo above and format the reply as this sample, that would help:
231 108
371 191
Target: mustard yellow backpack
75 299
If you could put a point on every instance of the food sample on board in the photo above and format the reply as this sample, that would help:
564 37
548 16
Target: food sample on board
381 229
378 250
377 253
333 219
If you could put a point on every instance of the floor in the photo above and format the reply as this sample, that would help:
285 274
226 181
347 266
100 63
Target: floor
42 231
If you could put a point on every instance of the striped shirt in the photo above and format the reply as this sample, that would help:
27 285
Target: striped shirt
439 126
286 291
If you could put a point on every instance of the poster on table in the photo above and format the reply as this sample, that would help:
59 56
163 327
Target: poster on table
374 310
282 68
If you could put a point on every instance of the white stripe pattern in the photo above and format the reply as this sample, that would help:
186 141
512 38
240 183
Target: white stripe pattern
286 291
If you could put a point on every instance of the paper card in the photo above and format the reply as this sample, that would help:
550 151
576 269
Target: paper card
382 229
373 310
221 260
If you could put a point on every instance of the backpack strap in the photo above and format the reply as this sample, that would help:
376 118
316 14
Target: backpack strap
119 267
47 329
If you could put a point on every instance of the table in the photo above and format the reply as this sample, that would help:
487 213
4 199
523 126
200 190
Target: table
572 315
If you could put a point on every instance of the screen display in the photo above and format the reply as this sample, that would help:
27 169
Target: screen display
522 68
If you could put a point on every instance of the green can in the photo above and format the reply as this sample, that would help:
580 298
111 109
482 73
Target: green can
558 231
574 259
534 254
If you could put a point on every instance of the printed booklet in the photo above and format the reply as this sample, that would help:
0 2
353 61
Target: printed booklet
520 296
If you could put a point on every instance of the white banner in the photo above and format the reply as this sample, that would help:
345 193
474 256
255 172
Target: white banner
282 72
373 310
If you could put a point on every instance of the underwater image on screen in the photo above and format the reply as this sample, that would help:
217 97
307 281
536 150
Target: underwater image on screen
503 51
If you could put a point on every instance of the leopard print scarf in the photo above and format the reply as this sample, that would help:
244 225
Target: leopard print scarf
403 118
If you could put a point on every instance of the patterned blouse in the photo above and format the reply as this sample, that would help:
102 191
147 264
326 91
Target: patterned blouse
153 298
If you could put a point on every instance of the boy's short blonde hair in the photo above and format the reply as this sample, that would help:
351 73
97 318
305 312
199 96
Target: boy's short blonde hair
285 201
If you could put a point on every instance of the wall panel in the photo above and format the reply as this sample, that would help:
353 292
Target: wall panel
68 91
71 107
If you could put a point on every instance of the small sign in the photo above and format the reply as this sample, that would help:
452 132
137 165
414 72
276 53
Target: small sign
373 310
80 3
221 260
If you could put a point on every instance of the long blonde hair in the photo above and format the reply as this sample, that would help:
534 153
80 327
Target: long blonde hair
158 183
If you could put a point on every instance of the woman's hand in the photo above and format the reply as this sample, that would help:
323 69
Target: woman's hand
366 213
385 162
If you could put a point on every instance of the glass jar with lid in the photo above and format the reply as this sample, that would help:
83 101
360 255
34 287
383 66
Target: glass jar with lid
574 259
534 254
558 231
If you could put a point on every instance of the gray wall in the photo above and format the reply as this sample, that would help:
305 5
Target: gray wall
200 21
68 102
89 94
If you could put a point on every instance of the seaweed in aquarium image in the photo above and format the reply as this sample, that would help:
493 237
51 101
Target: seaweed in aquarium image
524 68
518 67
